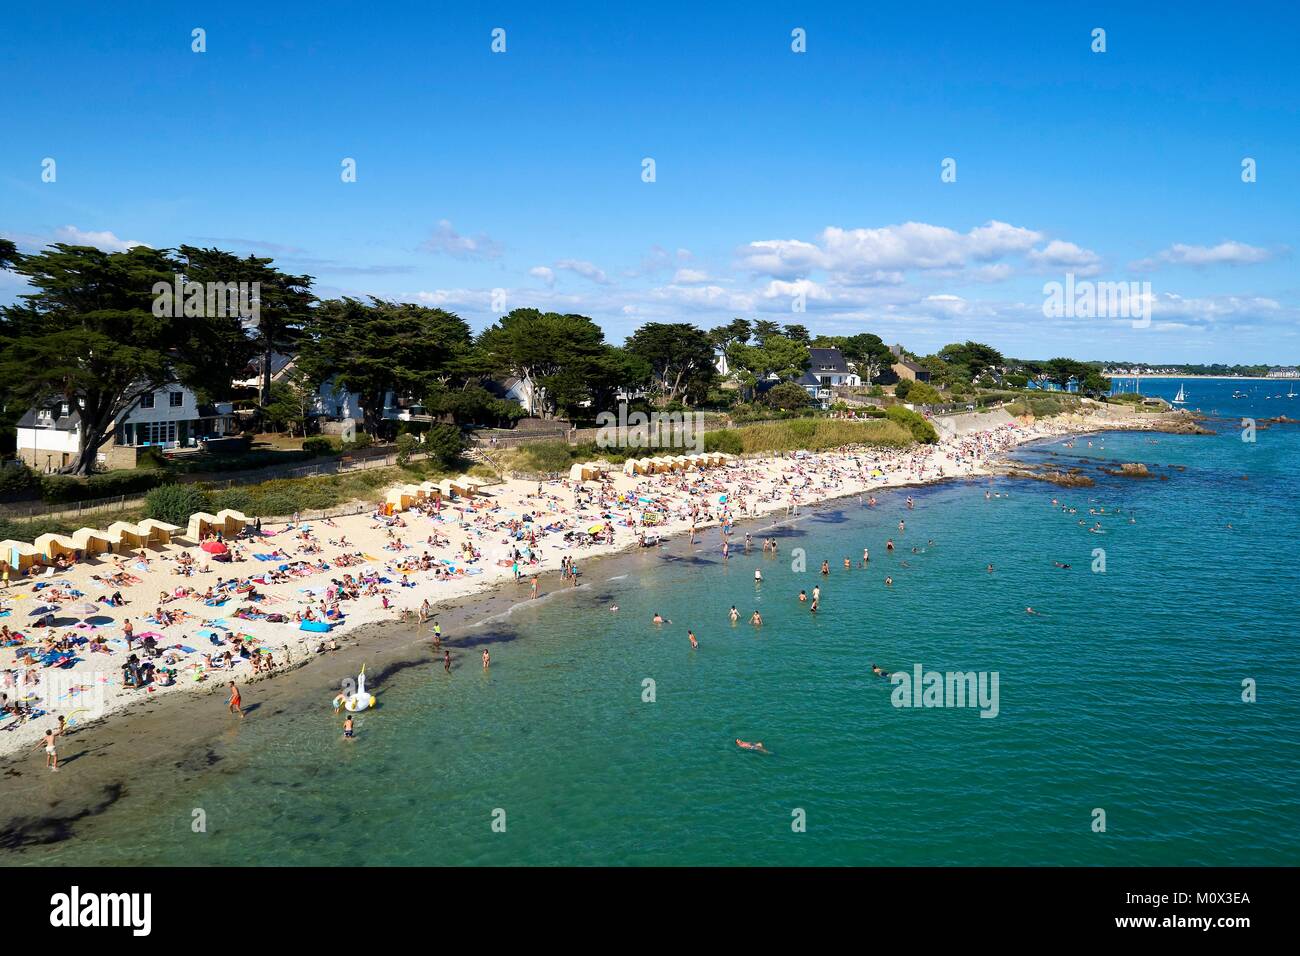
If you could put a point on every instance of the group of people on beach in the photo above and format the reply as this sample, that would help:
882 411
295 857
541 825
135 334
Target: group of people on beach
266 586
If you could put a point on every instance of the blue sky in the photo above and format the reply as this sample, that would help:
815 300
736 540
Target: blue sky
776 173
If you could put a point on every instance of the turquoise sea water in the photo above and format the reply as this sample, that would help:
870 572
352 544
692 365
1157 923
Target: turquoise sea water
1124 695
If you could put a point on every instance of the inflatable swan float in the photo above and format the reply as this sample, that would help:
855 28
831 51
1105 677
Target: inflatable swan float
359 700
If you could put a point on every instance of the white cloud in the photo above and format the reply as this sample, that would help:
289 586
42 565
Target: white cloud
583 268
100 240
691 275
448 242
1066 255
877 254
1227 253
545 273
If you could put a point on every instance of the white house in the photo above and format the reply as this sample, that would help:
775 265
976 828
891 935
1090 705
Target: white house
49 435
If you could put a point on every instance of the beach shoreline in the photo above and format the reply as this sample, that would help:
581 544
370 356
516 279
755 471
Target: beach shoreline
185 726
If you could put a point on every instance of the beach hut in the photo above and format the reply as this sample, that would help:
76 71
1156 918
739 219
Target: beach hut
155 531
201 524
659 465
402 497
52 545
463 485
126 535
629 467
89 541
578 473
232 522
19 555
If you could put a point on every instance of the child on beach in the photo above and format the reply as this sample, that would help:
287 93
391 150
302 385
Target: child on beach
51 754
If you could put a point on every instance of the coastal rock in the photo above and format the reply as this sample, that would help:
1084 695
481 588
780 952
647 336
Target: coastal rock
1071 479
1130 469
1181 428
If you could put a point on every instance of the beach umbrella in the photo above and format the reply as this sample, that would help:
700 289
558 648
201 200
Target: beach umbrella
214 547
87 609
596 529
43 609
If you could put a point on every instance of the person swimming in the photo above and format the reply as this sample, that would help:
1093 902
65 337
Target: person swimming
756 619
756 746
734 615
691 635
803 597
879 671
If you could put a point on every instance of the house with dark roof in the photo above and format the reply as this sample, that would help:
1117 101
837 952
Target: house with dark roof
907 369
826 369
49 434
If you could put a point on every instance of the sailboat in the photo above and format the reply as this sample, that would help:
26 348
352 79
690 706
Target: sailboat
1181 397
1291 393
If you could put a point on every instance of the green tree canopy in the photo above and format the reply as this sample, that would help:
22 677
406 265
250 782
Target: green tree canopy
787 396
976 357
375 347
550 349
737 331
284 301
89 333
680 357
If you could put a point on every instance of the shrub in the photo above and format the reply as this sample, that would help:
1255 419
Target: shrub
902 388
60 488
175 503
276 504
547 456
236 499
14 481
787 396
914 422
922 393
408 443
444 443
318 445
361 441
122 483
727 441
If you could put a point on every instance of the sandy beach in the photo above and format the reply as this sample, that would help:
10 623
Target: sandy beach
367 569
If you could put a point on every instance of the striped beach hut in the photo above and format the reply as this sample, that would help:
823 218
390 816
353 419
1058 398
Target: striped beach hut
19 555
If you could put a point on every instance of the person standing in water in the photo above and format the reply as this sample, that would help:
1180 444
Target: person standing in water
347 726
446 661
233 704
51 753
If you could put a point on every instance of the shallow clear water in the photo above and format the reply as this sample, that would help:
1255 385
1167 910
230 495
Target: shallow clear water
1124 695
